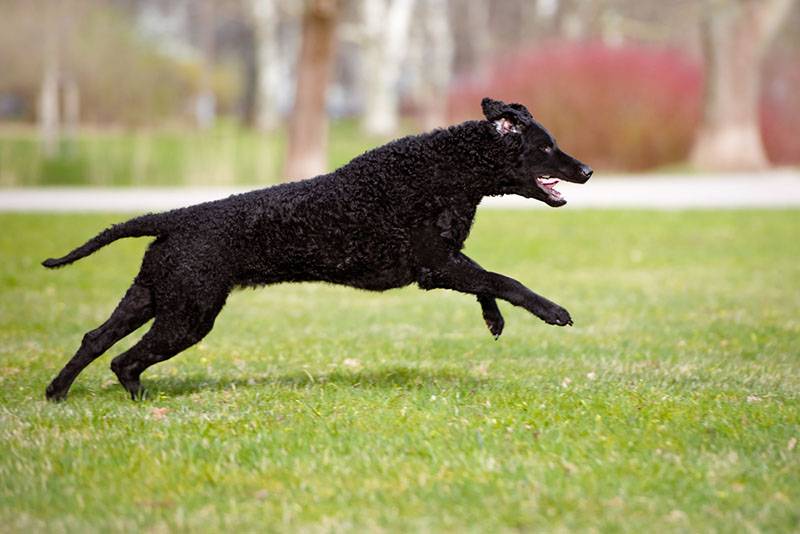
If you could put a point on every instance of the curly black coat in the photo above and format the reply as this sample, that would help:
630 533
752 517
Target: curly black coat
396 215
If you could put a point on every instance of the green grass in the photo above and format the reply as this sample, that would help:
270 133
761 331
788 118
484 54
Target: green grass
672 405
224 155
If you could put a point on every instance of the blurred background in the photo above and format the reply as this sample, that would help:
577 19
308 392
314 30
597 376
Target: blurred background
240 92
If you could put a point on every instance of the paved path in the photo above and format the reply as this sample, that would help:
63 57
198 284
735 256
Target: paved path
766 190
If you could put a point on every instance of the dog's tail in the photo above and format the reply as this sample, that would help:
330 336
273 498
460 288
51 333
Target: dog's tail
150 224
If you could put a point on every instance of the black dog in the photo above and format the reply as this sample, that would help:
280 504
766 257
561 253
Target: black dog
396 215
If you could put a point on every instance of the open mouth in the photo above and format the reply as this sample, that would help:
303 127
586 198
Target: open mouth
548 185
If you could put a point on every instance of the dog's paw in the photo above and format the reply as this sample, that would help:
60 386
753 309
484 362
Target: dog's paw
55 396
138 394
55 393
495 324
555 315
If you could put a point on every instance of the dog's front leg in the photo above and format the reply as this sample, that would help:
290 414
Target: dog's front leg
491 313
459 273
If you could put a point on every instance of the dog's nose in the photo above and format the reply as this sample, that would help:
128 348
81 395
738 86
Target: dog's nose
586 171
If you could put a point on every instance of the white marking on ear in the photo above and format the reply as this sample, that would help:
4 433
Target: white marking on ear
504 126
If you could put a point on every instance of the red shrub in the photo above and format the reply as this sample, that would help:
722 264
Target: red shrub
629 107
780 110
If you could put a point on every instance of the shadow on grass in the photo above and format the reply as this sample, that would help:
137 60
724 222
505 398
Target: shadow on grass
406 378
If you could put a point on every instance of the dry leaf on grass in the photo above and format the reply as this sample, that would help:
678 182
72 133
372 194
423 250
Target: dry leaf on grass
351 363
159 413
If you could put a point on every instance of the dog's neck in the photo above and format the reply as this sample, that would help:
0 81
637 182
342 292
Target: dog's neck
489 160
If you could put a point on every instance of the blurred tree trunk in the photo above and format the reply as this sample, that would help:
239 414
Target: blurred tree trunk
72 110
567 20
267 63
480 38
249 71
735 35
386 24
308 123
433 58
48 114
205 107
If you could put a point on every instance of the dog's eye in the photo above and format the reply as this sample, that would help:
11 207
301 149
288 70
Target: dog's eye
546 149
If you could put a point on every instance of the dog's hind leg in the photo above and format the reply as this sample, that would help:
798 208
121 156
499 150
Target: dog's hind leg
172 332
135 309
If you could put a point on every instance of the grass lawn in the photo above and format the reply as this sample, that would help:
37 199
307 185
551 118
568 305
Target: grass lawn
673 404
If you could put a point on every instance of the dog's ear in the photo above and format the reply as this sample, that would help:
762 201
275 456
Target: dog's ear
506 118
493 109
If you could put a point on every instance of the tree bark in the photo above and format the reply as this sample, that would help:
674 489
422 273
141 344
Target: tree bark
72 110
735 36
268 63
481 38
205 105
386 24
308 123
434 62
48 112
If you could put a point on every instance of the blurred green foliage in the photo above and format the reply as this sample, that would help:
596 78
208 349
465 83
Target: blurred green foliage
224 155
123 78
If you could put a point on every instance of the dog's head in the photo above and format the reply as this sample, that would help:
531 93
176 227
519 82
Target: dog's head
536 162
